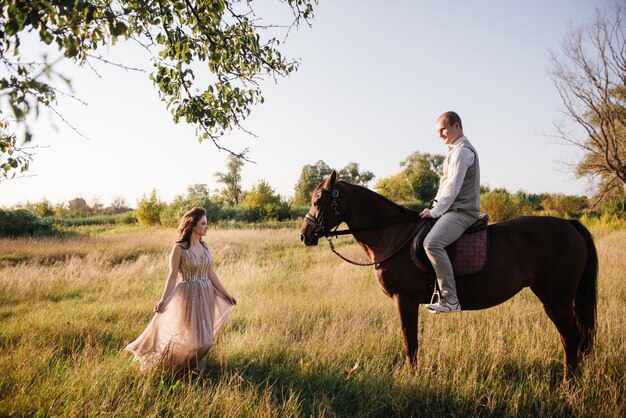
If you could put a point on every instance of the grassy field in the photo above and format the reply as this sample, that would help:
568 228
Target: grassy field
311 336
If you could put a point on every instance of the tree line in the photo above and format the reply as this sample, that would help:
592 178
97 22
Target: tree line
414 186
232 203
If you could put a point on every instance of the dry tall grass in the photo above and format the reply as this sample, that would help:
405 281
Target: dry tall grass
311 335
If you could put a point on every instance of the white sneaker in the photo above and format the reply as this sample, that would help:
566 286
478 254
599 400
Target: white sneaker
444 307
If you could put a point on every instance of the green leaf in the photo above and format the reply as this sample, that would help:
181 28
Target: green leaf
46 36
118 29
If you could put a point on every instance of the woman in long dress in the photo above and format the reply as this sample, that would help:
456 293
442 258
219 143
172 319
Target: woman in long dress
194 306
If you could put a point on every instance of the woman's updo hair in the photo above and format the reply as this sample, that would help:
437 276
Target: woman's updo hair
187 223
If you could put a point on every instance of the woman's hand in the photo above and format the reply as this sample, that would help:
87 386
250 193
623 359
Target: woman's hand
231 299
159 306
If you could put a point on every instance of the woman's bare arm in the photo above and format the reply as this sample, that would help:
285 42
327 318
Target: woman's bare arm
172 277
220 288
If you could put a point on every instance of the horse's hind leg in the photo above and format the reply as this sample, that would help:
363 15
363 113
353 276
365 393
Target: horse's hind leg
560 310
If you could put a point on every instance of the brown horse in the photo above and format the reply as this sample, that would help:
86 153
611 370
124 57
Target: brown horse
555 257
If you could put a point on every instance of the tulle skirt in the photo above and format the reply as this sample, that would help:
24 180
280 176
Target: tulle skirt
181 335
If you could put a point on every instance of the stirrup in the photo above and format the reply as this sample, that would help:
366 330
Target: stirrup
436 295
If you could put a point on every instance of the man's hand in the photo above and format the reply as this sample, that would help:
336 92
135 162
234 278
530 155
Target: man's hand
425 214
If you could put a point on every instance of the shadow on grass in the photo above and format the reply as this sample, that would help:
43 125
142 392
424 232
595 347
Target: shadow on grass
550 372
373 394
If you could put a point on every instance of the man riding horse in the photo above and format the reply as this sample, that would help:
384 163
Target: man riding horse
556 258
457 207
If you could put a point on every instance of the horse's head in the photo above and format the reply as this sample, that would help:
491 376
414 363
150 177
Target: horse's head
324 212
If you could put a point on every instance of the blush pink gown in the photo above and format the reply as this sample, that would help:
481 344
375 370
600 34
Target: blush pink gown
181 335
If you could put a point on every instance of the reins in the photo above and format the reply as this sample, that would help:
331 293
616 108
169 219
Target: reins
396 251
350 231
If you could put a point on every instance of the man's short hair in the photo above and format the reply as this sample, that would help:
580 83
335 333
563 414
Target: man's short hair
451 118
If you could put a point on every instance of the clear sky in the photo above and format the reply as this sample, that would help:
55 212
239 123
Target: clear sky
374 77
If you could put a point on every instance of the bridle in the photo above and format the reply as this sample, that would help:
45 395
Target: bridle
317 223
319 230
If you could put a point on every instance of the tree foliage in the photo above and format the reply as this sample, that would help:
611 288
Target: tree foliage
19 222
310 177
568 206
418 179
118 205
591 80
14 159
313 174
43 208
352 174
396 188
262 203
208 56
499 204
79 207
196 195
149 209
232 192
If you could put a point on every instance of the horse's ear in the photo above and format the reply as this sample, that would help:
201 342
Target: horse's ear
330 181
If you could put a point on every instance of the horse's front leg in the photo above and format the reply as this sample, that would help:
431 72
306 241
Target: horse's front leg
408 308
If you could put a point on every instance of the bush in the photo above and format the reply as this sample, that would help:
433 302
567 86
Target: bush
236 214
42 208
120 218
566 206
604 222
20 222
616 206
499 204
298 211
170 215
527 203
149 209
396 188
262 203
78 208
424 185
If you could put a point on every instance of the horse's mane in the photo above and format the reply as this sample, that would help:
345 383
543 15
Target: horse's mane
380 198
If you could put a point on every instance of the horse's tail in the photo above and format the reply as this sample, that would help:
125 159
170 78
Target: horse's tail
586 294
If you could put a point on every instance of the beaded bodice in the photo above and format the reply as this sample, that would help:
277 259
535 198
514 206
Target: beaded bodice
193 267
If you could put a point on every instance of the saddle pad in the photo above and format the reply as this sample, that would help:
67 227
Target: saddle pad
468 254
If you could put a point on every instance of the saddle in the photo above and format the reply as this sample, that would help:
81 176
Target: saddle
468 254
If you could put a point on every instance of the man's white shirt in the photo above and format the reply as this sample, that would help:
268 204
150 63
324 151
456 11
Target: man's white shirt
460 158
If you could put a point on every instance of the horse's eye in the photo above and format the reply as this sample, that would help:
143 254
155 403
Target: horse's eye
316 203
